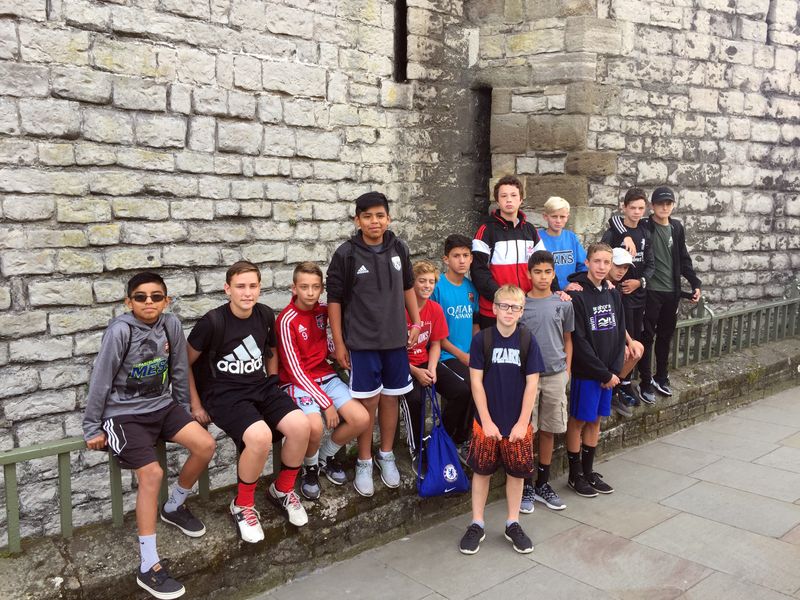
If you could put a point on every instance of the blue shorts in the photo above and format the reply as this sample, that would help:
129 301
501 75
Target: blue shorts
379 372
588 400
335 388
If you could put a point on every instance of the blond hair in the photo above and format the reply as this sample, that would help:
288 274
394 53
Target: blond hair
510 291
555 203
598 247
424 266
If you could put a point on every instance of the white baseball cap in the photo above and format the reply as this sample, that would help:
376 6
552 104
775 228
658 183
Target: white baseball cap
620 257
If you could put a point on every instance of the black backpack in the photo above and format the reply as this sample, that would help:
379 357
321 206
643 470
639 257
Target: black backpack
203 367
525 337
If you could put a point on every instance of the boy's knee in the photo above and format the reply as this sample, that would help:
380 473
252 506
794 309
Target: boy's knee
150 475
207 447
315 427
259 439
295 425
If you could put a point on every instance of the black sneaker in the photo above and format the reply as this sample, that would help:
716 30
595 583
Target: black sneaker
630 395
521 542
647 392
471 542
333 470
662 386
183 519
596 482
159 584
309 482
582 487
620 406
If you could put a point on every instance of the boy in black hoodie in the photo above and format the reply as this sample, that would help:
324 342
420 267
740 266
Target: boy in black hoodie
370 286
630 228
597 359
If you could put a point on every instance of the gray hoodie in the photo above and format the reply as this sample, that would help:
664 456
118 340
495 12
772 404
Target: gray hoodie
131 372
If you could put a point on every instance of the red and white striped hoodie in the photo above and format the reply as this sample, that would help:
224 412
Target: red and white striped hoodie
303 349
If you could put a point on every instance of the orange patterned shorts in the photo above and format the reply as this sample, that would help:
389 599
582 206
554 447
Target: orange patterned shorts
487 454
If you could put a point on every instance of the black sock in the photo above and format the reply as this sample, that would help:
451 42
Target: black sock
574 464
587 459
542 474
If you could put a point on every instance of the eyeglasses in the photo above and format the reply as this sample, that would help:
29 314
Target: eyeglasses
514 308
141 297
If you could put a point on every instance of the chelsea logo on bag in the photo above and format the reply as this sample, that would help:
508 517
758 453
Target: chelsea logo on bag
450 473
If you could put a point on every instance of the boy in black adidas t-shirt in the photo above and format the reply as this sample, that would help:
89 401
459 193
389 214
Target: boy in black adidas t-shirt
504 392
237 340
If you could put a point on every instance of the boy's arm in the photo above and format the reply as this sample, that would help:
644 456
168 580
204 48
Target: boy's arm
179 377
649 258
413 314
528 398
434 352
272 362
687 268
196 407
462 356
617 223
293 362
479 271
337 333
490 430
106 366
568 350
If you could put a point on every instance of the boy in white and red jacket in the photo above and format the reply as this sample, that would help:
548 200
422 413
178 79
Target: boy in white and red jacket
309 379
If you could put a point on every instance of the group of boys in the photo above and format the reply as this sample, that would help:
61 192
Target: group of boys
398 329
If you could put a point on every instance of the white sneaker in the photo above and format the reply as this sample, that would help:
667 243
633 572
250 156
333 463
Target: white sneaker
388 468
247 523
363 481
290 504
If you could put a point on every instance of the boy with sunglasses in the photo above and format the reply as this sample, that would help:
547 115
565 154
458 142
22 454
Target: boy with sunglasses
138 394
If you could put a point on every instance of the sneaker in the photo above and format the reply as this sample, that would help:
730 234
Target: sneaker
547 495
363 481
309 482
521 542
582 487
526 505
333 470
183 519
596 481
631 396
158 583
620 406
290 504
662 386
647 392
471 542
387 466
248 523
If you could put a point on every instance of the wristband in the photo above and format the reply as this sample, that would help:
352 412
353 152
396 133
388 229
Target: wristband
416 326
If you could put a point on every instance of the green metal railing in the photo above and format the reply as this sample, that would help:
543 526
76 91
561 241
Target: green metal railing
697 339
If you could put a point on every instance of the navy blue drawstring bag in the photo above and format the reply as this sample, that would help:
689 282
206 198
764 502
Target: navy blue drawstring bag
444 474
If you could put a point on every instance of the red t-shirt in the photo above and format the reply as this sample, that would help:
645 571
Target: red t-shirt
434 328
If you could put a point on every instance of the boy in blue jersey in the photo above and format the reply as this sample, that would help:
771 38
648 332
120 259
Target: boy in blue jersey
458 298
563 244
504 374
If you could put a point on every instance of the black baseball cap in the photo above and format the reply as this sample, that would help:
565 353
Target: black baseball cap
370 199
662 194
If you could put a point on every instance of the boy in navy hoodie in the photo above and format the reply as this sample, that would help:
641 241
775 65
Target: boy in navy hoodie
138 394
370 288
597 360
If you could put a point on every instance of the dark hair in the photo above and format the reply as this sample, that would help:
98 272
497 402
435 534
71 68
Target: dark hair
307 267
370 200
539 257
145 277
239 267
456 240
635 193
507 180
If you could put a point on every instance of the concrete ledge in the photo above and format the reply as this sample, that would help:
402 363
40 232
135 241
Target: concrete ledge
99 561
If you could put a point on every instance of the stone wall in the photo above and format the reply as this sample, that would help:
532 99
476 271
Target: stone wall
593 96
182 135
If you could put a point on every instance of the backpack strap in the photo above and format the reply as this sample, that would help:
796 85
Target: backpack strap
217 331
487 350
269 316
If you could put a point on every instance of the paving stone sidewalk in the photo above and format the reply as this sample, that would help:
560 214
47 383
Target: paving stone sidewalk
711 512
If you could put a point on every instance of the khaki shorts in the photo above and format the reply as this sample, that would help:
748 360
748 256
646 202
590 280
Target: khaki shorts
550 408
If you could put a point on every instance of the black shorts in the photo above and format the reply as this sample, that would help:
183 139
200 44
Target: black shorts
132 438
487 454
234 411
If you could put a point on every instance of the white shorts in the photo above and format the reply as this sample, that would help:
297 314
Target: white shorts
335 388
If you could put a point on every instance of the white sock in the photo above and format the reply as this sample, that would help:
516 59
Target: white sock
176 498
366 462
385 455
329 448
311 461
148 552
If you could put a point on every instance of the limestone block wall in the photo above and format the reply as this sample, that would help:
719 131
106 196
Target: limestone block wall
182 135
593 96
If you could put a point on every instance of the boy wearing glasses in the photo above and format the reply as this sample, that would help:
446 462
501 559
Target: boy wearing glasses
138 394
504 377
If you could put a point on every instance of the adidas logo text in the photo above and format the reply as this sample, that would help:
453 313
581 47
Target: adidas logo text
245 359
